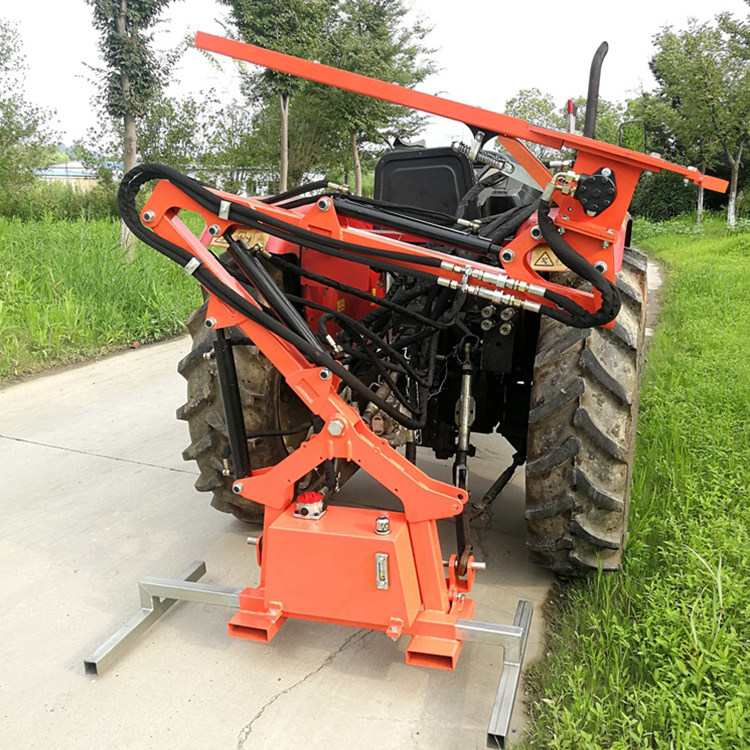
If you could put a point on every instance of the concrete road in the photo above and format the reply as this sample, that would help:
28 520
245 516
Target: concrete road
94 496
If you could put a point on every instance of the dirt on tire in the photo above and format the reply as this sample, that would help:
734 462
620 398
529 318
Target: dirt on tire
582 431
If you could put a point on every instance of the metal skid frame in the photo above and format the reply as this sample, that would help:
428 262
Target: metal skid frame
158 595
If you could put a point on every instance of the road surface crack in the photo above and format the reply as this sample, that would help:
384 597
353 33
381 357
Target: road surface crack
94 455
247 730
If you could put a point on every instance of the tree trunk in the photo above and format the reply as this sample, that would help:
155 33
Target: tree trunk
284 141
735 162
356 163
127 242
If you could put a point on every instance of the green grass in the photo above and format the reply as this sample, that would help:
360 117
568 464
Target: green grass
658 656
67 293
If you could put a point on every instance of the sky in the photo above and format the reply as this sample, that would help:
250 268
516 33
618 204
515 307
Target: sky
487 51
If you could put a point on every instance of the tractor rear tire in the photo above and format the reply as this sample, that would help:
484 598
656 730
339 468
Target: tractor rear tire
582 432
268 404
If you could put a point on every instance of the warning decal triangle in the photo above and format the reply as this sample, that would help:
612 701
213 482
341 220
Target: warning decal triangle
544 261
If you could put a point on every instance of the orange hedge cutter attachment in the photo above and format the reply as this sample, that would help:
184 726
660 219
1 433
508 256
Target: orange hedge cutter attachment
374 569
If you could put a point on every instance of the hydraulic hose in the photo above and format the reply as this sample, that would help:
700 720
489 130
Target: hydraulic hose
129 188
572 313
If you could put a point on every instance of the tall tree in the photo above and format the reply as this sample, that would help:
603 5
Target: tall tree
295 27
25 138
703 76
373 38
133 73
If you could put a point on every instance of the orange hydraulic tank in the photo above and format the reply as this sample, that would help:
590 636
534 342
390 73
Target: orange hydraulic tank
339 569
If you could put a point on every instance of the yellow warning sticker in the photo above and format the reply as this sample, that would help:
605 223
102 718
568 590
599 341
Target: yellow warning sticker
341 305
543 259
248 236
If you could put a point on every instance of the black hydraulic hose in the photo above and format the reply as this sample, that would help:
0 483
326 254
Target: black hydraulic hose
572 313
401 209
311 187
129 187
257 274
355 325
380 301
508 222
285 230
443 235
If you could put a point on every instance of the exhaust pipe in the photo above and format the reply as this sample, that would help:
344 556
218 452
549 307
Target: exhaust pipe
592 100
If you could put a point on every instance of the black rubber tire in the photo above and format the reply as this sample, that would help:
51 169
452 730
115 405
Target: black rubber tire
581 436
268 404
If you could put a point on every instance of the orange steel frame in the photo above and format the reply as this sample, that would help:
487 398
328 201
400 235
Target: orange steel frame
325 569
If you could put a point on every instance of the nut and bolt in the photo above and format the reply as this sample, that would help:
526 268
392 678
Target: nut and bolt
605 245
324 204
325 374
507 313
253 540
237 488
536 232
335 427
507 256
505 329
214 230
383 525
148 217
486 324
606 172
487 311
600 266
210 323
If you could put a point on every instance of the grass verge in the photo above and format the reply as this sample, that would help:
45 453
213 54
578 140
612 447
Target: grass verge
67 293
658 656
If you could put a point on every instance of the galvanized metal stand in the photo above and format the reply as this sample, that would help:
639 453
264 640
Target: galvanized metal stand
159 594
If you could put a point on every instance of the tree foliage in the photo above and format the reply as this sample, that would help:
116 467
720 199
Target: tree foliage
317 124
540 109
703 74
26 141
133 73
373 38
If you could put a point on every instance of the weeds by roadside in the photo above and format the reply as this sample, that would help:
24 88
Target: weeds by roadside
67 293
658 656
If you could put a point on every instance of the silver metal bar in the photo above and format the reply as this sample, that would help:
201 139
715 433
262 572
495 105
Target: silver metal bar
513 640
185 591
157 596
499 726
507 636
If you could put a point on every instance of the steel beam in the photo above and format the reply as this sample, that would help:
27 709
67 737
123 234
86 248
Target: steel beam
157 596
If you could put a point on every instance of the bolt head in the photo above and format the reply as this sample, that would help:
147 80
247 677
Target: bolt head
507 256
325 374
600 266
214 230
324 204
237 488
148 216
210 322
383 525
335 427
